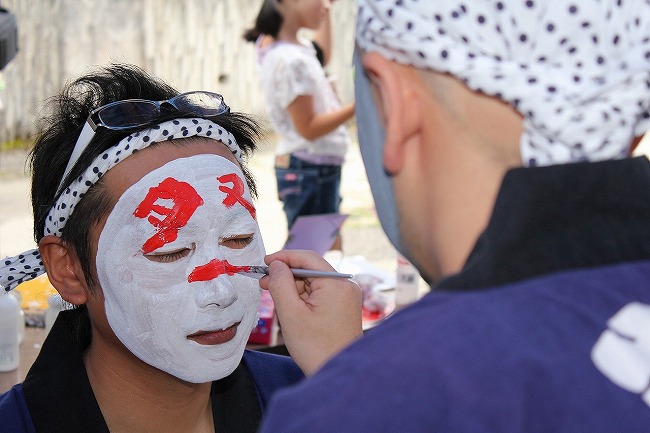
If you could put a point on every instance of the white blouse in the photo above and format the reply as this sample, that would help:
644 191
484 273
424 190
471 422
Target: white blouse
288 71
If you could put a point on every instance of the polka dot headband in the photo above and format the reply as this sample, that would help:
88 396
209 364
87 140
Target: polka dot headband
578 71
28 265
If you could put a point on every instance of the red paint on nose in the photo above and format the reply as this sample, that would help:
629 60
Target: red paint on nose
213 269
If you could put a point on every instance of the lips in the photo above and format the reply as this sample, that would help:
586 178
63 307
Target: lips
210 338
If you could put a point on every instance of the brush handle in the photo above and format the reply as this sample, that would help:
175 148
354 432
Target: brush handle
300 273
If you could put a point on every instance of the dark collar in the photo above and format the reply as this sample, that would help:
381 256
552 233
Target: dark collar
561 217
60 398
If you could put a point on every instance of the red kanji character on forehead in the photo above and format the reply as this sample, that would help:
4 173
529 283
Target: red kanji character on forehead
185 201
236 193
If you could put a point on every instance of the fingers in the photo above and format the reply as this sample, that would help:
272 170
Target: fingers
318 316
285 290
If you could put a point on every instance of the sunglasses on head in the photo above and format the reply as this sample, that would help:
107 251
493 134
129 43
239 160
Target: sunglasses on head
132 113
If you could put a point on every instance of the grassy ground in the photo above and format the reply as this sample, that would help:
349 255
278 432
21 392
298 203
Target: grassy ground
17 144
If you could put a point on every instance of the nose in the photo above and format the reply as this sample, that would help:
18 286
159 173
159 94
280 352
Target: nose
219 292
212 285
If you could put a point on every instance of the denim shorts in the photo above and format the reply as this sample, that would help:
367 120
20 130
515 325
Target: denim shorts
308 189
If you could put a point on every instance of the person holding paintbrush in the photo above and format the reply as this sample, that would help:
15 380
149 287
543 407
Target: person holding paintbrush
144 218
302 105
496 137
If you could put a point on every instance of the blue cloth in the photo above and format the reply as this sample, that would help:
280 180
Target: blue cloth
507 345
308 189
14 414
508 359
56 394
271 372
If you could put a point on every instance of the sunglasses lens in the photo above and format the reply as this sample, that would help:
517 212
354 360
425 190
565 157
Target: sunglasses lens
200 103
133 113
128 114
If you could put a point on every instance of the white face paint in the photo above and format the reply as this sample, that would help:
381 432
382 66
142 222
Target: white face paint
164 263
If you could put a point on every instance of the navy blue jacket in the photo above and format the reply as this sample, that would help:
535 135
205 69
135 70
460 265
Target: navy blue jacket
56 395
545 329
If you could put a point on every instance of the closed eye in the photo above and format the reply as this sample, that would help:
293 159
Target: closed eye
169 256
237 242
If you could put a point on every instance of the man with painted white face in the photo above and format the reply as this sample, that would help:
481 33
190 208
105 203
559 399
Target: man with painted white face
497 139
144 213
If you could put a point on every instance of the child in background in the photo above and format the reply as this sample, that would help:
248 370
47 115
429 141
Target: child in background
302 105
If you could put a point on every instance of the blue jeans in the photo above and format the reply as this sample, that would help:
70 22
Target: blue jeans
308 189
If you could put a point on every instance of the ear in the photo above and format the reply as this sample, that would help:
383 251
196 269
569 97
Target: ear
398 101
63 269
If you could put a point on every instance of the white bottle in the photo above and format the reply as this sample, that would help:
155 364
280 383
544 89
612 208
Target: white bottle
9 312
407 284
21 316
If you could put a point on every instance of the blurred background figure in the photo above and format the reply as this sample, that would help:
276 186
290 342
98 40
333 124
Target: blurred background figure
8 43
302 105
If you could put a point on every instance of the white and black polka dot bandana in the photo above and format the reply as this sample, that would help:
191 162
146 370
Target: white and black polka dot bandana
577 70
28 265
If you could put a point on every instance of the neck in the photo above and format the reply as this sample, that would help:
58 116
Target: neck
289 30
457 201
288 36
466 209
135 397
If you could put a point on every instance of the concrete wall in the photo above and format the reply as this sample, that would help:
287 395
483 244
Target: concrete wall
191 44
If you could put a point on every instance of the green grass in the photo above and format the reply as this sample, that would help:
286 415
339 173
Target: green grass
15 144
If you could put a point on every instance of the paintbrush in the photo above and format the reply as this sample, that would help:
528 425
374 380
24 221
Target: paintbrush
299 273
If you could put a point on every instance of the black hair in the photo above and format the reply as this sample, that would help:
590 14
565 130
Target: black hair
320 54
58 133
268 22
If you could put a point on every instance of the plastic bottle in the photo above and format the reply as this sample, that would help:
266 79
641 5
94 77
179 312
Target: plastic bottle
21 316
9 312
407 282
